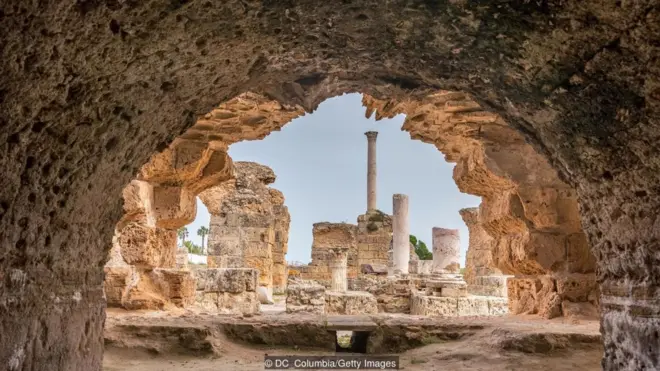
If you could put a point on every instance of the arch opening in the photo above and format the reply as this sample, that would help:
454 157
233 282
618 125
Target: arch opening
90 91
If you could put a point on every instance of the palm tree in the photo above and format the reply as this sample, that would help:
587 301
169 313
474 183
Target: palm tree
192 248
182 233
202 232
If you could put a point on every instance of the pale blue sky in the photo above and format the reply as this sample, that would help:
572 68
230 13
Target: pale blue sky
320 161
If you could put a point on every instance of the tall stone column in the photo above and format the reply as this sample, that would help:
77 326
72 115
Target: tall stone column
400 234
446 251
371 170
338 266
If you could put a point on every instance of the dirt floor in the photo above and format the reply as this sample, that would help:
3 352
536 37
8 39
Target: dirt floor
505 343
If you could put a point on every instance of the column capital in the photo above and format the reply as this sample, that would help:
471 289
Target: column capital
371 134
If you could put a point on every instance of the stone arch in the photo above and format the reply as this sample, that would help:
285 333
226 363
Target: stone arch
90 90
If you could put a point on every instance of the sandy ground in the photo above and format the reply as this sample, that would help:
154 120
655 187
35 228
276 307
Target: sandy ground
459 355
483 351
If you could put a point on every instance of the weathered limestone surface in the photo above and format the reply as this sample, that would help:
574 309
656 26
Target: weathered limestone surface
479 256
328 236
90 91
132 287
374 235
148 247
227 290
392 294
305 298
481 275
280 247
249 223
457 306
350 302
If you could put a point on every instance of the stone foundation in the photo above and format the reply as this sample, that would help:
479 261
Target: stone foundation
350 302
249 225
305 298
457 306
227 290
546 295
494 285
423 267
133 288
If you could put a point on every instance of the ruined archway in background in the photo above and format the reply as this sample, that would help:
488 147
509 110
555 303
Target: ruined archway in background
89 91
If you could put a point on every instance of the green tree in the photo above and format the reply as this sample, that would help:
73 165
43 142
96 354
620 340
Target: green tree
420 248
203 232
192 248
183 234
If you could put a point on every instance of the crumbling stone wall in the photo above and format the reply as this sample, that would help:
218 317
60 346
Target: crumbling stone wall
281 244
91 90
530 214
157 203
368 242
481 275
324 237
226 290
374 234
249 224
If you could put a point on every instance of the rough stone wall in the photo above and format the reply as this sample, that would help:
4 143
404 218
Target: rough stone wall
374 234
531 215
247 219
157 203
324 237
226 290
479 256
91 89
281 245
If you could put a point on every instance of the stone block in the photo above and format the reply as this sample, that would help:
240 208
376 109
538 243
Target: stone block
173 207
145 246
307 298
178 286
473 306
498 306
433 306
231 280
420 266
115 284
225 245
143 293
579 258
351 302
489 286
575 287
181 257
522 293
228 303
138 200
579 310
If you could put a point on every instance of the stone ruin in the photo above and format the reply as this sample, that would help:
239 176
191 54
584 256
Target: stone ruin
249 225
380 263
559 103
247 241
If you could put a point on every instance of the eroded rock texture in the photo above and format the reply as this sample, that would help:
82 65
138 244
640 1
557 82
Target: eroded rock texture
161 200
530 215
90 90
249 224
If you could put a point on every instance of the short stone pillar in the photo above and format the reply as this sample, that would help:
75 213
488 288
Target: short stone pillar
446 251
400 234
371 169
181 257
338 263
